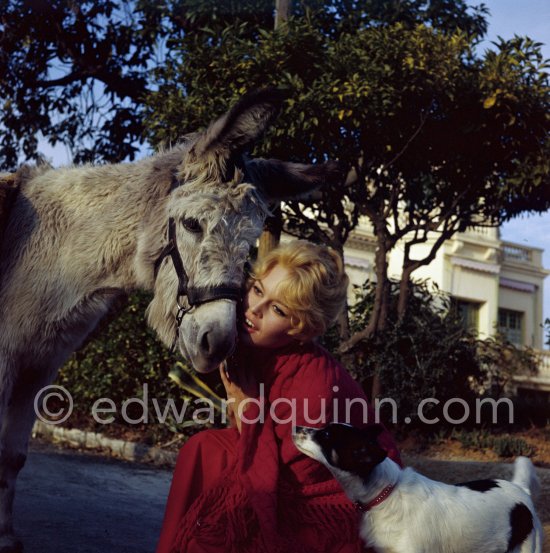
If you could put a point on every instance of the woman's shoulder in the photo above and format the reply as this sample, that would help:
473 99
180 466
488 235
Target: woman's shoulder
311 356
316 365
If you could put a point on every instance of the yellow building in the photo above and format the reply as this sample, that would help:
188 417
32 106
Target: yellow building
496 285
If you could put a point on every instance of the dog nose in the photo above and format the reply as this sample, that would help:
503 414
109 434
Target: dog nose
303 430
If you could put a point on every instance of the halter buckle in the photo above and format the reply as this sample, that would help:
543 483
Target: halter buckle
182 311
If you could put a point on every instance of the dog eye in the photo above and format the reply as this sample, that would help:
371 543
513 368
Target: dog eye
324 434
360 453
192 225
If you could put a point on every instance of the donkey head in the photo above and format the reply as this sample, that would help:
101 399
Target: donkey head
216 212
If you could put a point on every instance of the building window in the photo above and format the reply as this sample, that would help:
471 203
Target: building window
510 324
468 312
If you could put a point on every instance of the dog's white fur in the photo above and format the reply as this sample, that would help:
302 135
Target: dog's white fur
425 516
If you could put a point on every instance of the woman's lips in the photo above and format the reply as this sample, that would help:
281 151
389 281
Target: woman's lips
246 326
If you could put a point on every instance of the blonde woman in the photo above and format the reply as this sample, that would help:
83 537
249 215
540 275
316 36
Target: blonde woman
247 489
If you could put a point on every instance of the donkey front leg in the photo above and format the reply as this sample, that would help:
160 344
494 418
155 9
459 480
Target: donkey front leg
16 428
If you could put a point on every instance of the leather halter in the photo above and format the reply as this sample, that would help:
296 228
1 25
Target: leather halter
195 295
364 507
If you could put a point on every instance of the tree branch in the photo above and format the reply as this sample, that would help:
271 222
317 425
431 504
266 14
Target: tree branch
423 119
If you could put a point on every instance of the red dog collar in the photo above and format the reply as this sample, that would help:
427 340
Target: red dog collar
364 507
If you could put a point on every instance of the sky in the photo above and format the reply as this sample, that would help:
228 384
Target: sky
507 18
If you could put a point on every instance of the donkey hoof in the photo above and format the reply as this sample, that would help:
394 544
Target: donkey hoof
10 544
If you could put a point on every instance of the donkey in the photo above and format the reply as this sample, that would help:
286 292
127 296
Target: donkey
179 223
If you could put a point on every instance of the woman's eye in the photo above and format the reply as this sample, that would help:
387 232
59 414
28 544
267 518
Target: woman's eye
257 290
279 311
192 225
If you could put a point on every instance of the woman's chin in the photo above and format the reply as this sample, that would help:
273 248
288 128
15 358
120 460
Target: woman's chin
245 338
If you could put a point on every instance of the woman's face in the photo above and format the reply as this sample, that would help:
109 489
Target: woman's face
266 317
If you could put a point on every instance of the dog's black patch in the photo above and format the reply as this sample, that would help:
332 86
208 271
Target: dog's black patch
521 522
479 485
355 450
3 484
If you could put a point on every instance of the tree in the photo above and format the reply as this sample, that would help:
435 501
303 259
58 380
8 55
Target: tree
436 138
75 73
271 234
502 361
426 355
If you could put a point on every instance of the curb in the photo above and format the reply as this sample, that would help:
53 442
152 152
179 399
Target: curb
120 449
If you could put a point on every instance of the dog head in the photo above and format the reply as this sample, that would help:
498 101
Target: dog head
348 452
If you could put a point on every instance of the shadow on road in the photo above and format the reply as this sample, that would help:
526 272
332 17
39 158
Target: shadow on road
71 502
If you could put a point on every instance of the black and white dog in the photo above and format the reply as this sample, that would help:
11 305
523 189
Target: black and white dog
405 512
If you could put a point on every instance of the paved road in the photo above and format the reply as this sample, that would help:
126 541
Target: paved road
77 503
80 503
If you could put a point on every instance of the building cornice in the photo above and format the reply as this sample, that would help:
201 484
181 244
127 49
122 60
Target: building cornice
475 265
361 240
517 285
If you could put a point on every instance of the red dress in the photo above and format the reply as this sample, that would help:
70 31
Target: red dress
254 492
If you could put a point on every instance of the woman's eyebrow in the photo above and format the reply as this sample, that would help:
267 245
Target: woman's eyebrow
277 300
282 305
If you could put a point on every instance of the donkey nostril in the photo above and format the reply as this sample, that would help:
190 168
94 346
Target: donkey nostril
205 344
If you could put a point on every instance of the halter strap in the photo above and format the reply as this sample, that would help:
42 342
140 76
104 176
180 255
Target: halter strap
171 249
195 295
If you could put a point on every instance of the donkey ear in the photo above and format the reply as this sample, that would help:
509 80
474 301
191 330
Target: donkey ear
283 180
242 125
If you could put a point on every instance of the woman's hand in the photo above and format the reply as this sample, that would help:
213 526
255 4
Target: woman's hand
238 388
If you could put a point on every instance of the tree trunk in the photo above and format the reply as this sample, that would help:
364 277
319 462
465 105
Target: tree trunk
269 239
271 235
404 290
343 323
380 313
282 11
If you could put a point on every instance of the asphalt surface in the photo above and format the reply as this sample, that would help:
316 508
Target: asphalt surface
68 502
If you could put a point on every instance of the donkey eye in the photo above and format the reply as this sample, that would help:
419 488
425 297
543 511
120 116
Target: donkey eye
192 225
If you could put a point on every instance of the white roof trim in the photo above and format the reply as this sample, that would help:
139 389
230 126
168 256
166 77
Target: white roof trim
518 285
353 261
476 265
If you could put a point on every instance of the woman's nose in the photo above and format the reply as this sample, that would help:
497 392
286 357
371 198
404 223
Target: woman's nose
257 308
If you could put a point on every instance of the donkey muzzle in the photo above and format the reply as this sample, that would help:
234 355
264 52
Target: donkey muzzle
208 334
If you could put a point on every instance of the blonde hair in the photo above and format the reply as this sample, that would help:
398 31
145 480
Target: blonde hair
316 288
